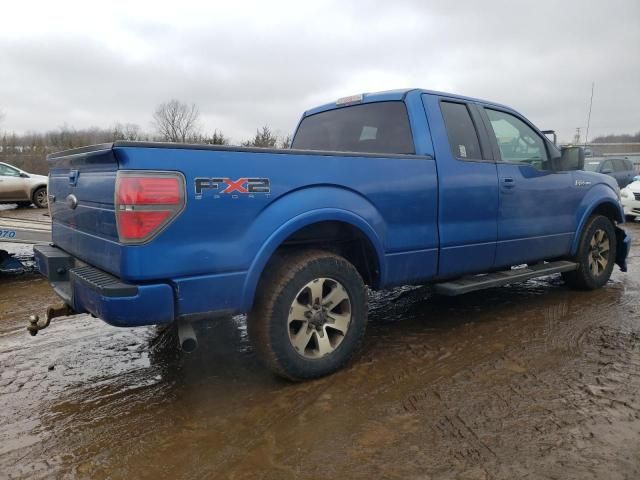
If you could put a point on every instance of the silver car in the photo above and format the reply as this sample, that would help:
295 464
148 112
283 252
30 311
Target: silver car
18 186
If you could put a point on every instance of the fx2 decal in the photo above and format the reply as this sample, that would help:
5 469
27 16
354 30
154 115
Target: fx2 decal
225 186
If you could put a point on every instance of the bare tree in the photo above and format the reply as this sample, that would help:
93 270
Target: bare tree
128 131
264 138
176 121
216 138
285 142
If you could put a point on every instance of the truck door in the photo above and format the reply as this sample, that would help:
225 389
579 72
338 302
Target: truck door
467 186
537 213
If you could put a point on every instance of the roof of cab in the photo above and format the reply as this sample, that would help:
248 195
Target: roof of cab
391 95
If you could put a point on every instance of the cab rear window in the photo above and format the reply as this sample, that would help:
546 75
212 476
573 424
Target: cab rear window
381 127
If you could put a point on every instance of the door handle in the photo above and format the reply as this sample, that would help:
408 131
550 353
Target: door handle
508 182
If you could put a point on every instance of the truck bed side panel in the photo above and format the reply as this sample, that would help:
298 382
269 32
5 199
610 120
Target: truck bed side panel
222 233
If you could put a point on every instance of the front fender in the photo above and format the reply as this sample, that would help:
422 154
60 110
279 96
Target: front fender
296 210
598 196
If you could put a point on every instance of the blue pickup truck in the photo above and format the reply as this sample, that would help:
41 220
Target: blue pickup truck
378 190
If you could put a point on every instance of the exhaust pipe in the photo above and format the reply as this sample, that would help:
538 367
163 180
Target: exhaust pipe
187 339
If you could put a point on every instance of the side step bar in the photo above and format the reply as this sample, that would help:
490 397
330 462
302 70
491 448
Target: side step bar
497 279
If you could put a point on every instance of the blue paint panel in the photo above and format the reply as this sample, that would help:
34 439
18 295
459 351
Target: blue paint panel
104 253
152 305
467 203
208 293
531 249
465 259
410 267
537 214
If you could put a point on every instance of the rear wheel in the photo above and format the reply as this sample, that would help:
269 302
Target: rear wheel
40 199
596 255
310 314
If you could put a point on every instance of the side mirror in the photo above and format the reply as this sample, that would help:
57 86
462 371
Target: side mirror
24 175
607 171
572 159
553 133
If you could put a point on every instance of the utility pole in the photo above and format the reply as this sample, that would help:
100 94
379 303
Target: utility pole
586 137
576 137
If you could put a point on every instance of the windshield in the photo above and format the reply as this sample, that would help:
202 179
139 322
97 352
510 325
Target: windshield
591 166
381 127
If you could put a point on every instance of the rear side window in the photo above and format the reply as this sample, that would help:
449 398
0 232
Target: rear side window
622 165
381 127
461 132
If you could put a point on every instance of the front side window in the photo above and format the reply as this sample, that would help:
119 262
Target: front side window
7 171
517 141
463 138
381 127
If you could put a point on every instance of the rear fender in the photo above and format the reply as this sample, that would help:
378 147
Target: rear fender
360 214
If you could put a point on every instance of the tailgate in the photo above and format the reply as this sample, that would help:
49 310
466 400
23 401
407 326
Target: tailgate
81 200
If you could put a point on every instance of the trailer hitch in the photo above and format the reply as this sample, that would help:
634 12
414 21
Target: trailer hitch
35 325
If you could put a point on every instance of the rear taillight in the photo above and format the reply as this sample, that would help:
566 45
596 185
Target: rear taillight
146 202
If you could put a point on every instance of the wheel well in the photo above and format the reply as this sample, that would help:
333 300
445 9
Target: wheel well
34 189
340 238
608 210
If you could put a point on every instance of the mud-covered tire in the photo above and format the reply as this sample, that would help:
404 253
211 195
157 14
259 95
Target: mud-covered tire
585 277
273 332
40 198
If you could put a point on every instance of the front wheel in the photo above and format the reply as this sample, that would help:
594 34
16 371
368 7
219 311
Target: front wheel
40 199
310 314
596 255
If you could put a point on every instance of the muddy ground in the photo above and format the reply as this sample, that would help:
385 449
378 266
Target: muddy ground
525 381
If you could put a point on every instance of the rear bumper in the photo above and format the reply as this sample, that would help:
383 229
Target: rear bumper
88 289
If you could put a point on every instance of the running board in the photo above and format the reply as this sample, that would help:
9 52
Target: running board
497 279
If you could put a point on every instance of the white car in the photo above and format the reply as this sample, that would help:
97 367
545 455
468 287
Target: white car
630 196
18 186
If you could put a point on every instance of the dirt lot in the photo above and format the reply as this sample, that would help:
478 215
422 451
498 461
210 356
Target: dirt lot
526 381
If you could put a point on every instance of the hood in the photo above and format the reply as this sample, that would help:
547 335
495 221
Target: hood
41 178
633 186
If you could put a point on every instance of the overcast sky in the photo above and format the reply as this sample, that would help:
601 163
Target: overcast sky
246 64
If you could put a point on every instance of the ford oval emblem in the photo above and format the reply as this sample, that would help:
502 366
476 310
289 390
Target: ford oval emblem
72 201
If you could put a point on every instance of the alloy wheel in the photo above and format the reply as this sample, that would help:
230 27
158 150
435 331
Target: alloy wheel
319 317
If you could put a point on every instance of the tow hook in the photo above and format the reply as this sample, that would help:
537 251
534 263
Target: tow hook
35 325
